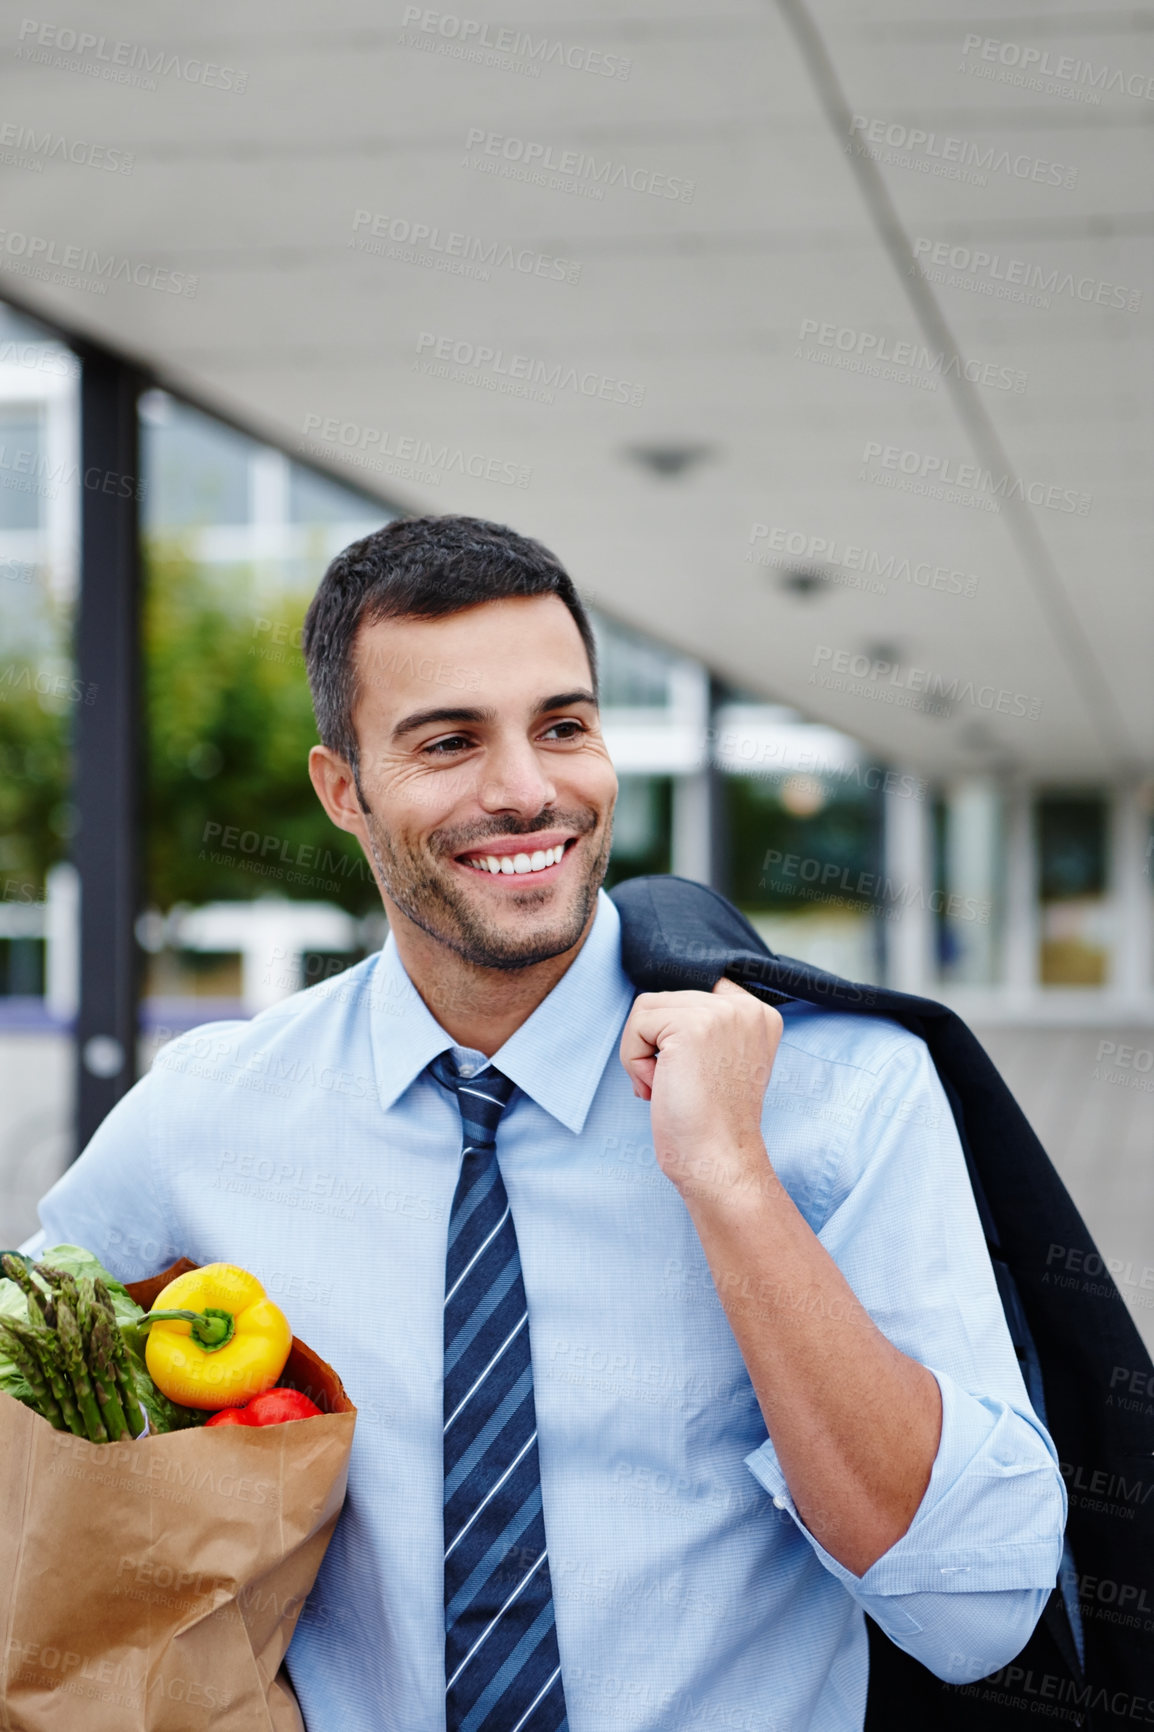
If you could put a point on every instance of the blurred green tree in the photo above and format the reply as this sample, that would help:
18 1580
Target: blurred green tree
229 809
35 817
37 698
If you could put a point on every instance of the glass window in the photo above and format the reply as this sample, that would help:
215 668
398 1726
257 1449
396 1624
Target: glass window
316 498
805 866
969 878
196 468
17 328
1071 847
1072 890
641 828
634 671
21 967
25 486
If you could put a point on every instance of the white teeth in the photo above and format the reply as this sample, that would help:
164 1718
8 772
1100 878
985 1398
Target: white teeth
520 863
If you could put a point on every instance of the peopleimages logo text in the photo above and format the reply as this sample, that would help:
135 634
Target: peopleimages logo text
577 167
1016 278
886 896
1065 68
517 45
871 346
409 456
476 360
36 253
911 687
453 251
972 478
24 147
826 551
935 153
121 61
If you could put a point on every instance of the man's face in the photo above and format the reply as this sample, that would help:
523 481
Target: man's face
489 789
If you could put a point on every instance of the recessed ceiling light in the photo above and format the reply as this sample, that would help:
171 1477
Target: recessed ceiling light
977 740
805 583
890 653
669 461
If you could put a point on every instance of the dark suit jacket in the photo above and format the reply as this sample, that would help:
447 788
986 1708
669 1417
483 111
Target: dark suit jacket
1089 1376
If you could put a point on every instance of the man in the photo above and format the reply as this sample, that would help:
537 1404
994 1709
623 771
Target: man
653 1406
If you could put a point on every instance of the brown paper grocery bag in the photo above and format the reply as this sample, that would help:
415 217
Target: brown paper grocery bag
154 1585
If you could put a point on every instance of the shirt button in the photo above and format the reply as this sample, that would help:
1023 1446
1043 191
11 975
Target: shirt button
781 1503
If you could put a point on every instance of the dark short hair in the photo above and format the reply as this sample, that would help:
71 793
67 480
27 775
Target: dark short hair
418 568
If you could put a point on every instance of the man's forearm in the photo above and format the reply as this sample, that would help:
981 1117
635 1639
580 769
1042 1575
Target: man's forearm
854 1421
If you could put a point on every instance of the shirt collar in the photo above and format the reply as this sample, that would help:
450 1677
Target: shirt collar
557 1056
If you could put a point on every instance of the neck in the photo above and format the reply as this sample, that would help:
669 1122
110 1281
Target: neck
479 1007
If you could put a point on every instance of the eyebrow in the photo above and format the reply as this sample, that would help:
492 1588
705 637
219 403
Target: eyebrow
478 717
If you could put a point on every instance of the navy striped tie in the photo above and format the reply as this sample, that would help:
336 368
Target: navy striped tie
502 1669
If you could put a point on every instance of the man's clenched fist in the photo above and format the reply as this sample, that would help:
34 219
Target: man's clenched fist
703 1061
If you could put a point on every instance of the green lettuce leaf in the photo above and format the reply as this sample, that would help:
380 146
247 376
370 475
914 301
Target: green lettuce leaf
163 1414
12 1304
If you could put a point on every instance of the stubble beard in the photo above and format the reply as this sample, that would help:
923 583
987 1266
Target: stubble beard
441 908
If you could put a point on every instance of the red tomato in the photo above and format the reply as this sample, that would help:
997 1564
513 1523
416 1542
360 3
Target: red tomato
276 1406
229 1416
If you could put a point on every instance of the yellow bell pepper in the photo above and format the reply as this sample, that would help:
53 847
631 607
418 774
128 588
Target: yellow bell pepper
214 1339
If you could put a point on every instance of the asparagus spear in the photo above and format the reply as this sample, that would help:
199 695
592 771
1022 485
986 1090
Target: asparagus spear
17 1270
44 1344
121 1363
23 1354
72 1350
101 1366
61 1280
85 1303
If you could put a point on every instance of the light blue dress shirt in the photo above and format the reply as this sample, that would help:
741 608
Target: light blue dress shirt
310 1146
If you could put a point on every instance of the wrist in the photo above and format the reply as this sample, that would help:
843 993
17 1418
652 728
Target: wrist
725 1180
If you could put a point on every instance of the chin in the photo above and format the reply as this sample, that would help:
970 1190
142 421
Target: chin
526 936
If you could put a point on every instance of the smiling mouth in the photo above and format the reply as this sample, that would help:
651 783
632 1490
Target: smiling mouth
531 863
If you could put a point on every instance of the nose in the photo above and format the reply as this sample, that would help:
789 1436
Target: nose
514 778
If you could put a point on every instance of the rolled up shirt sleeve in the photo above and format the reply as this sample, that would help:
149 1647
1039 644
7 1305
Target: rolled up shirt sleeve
964 1586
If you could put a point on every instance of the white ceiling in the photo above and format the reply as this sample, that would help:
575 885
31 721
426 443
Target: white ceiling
702 302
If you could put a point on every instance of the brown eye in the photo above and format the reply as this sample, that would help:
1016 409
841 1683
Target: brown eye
443 748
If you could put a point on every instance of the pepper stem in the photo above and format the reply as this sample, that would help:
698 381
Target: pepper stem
212 1329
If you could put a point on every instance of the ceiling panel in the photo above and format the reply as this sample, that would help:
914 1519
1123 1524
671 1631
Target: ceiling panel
855 420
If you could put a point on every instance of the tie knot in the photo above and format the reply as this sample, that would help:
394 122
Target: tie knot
481 1098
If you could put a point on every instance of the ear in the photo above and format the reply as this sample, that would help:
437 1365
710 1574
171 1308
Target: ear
336 790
